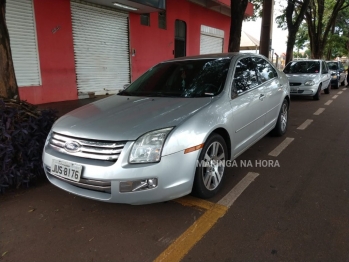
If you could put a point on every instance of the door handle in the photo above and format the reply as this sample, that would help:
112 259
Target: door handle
261 97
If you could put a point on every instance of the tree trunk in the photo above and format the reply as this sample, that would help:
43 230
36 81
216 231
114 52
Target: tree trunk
329 51
317 52
318 31
293 25
290 44
238 8
8 83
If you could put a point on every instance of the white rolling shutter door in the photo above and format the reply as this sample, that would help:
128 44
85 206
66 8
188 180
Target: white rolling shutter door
211 40
210 44
21 26
101 49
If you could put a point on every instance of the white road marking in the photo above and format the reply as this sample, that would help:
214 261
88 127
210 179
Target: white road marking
344 88
319 111
229 199
305 124
277 151
328 102
340 92
334 97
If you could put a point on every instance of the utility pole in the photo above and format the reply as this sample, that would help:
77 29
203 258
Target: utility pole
266 28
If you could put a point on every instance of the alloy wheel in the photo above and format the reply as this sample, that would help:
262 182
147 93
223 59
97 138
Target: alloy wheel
213 169
284 117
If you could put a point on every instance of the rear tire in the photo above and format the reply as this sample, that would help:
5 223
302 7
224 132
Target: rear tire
318 93
282 122
328 89
209 176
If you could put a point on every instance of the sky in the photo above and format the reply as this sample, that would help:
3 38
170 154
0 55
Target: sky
253 28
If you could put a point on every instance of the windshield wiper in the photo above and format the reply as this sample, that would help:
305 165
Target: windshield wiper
163 95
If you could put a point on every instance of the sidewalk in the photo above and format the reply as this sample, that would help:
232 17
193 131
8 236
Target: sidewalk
67 106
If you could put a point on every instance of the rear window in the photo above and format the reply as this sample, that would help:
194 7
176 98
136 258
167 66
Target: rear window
302 67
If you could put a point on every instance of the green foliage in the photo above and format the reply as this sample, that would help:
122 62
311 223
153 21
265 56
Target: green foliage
302 37
338 41
257 10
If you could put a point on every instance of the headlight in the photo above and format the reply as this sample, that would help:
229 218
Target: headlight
147 148
309 83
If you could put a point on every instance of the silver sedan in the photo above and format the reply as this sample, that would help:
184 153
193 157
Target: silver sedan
171 132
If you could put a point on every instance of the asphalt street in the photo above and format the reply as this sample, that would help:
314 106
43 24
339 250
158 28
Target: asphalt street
297 210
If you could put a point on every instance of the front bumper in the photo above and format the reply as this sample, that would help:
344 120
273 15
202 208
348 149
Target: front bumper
175 174
334 82
303 90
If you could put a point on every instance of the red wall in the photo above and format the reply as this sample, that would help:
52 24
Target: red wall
153 44
248 11
56 54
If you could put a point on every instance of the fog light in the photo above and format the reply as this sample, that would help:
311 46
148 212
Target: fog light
139 185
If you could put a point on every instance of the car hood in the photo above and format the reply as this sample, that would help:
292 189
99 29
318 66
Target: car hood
301 78
120 118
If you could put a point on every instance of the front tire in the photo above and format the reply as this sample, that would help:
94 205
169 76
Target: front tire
328 89
318 93
209 174
282 122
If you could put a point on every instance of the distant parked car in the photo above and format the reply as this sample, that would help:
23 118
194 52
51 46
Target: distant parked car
169 132
337 73
308 77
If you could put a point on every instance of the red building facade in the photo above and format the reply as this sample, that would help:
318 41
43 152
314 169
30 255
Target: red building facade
61 33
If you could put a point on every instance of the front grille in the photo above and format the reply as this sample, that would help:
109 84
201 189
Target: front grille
93 149
295 84
95 185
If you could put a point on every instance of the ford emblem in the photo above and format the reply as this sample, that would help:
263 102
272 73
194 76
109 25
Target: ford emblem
72 146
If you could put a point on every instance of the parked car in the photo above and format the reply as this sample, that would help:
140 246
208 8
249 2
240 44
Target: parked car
170 132
337 73
308 78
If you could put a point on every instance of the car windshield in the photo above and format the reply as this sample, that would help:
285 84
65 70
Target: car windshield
302 67
190 78
332 65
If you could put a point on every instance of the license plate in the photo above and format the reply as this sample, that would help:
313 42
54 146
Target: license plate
66 170
294 89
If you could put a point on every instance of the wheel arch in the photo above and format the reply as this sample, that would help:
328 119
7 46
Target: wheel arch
287 98
224 133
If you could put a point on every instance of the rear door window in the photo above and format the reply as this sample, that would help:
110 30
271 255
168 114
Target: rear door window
264 70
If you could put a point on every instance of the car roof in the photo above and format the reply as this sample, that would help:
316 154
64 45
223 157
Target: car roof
307 60
213 56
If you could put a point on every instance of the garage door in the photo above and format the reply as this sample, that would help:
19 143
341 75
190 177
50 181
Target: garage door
101 48
21 26
211 40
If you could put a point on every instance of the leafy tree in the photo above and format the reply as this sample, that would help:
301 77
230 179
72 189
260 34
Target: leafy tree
337 44
302 37
291 20
321 18
238 8
8 83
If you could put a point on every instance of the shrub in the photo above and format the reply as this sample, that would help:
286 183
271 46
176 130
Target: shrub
23 131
